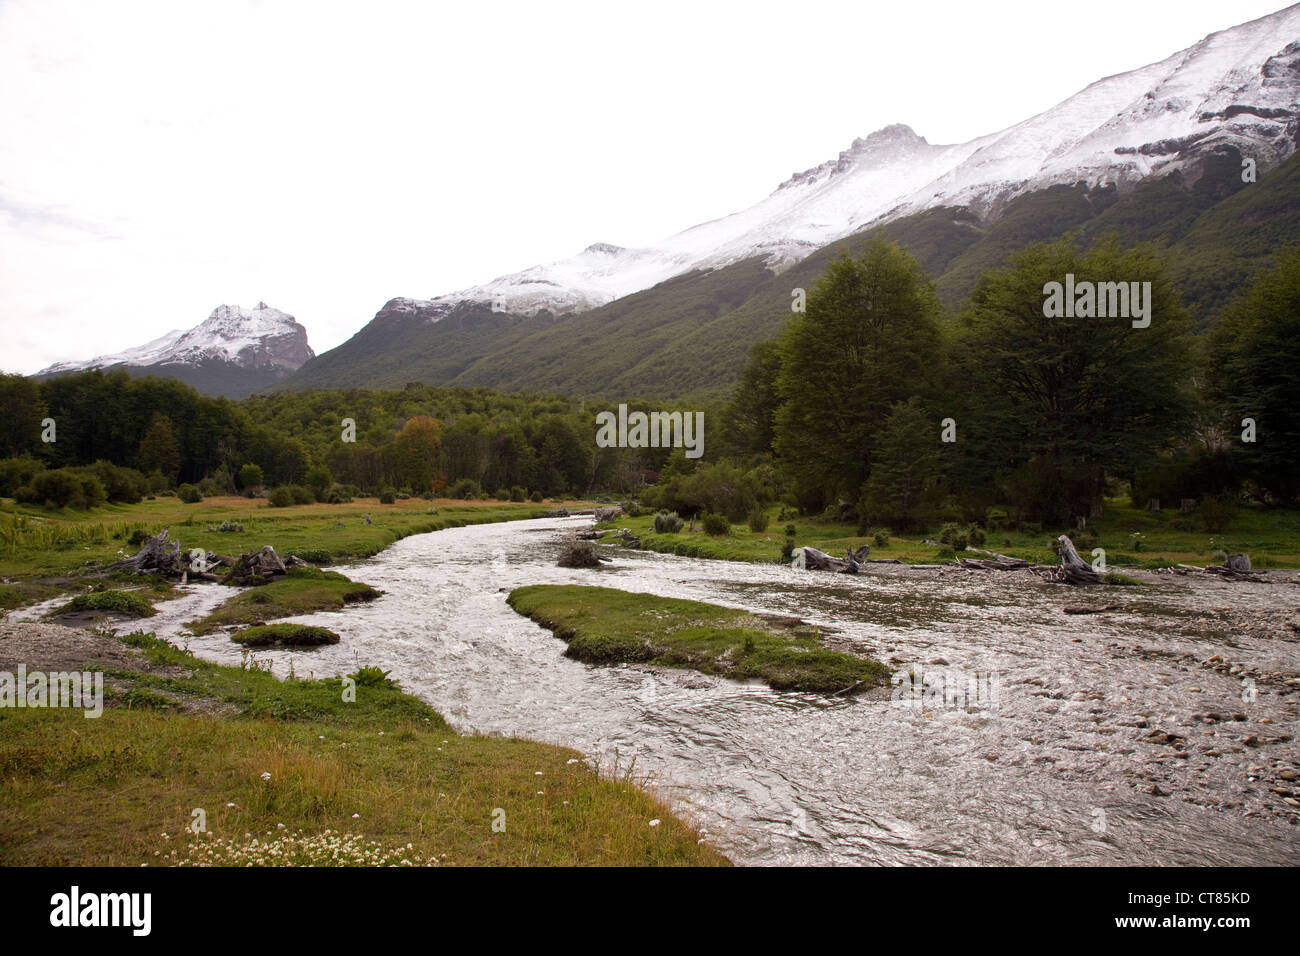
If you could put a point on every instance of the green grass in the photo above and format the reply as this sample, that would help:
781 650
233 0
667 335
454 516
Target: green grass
130 603
608 626
303 590
284 635
103 792
1131 537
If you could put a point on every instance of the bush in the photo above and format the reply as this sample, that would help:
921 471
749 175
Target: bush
250 477
340 494
1216 514
281 497
667 522
138 537
387 496
120 484
881 538
227 527
466 489
189 494
62 488
787 550
758 520
502 494
714 524
976 536
790 531
518 494
948 532
535 497
286 635
16 472
302 495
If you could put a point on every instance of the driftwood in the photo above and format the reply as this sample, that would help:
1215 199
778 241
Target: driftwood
1091 610
607 514
1073 569
1236 567
256 567
159 555
813 560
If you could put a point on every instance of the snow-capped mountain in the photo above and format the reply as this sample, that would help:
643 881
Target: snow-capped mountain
1238 88
234 352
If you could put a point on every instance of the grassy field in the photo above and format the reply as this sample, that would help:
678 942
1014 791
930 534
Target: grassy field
43 552
608 626
301 591
1131 538
264 758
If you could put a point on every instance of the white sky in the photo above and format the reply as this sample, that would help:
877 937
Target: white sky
158 159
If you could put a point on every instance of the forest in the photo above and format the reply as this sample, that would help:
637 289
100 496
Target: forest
873 404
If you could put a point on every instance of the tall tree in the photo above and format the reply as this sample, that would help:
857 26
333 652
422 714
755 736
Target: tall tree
159 450
415 452
1255 374
870 337
1055 402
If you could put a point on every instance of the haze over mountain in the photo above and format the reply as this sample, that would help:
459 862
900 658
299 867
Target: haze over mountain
233 352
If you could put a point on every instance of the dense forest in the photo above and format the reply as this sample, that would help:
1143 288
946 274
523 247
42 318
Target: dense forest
873 403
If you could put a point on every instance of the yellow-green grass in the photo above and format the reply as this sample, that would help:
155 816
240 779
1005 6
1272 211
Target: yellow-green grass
1130 536
609 626
103 791
43 551
303 590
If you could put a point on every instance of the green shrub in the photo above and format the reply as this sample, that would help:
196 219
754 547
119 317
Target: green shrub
250 477
62 488
302 495
667 522
286 635
281 497
880 537
535 497
715 524
517 493
312 555
227 527
1216 514
189 494
502 494
758 520
976 536
121 602
787 550
373 677
120 484
17 472
387 496
465 489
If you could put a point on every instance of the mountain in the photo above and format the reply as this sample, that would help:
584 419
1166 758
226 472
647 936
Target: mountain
1154 154
234 352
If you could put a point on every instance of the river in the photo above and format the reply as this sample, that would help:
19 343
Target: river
1061 764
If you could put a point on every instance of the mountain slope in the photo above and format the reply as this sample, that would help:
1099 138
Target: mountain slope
233 352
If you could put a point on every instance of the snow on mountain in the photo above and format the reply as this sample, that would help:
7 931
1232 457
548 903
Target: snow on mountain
1239 87
261 337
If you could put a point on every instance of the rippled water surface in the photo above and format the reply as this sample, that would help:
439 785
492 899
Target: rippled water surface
1061 769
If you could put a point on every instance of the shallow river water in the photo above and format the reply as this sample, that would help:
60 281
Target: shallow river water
1059 758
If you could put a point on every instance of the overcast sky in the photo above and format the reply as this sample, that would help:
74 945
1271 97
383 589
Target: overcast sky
158 159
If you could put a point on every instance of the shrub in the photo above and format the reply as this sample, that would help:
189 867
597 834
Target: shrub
280 497
758 520
373 677
62 488
312 555
387 496
976 536
250 477
517 493
502 494
227 527
790 531
138 537
120 602
1216 514
466 489
881 538
189 494
667 522
787 550
319 480
288 635
715 524
948 532
535 497
302 495
17 472
339 494
120 484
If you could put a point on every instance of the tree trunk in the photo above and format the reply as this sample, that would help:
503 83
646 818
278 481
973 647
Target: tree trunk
813 560
1073 569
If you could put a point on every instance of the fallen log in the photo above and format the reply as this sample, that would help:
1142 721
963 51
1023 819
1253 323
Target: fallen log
256 567
810 559
159 555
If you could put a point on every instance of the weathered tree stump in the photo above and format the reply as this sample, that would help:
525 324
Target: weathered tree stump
159 555
1073 569
810 559
256 567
